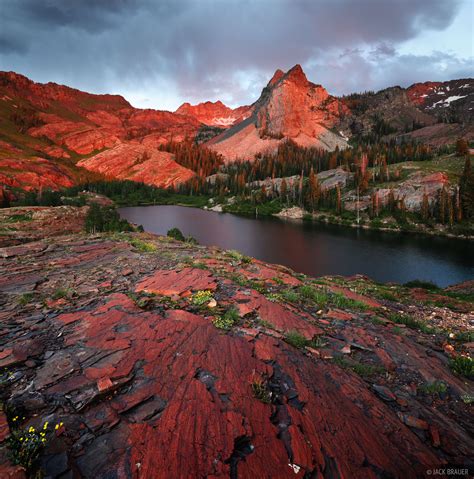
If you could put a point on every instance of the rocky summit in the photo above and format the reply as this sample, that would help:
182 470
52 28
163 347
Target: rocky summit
289 107
134 355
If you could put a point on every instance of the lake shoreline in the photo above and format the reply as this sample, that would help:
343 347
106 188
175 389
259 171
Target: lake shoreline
413 229
316 248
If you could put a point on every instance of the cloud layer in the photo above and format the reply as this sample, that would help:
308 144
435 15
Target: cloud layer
160 53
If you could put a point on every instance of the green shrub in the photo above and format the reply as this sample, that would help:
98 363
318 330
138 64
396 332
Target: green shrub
412 323
200 298
408 321
143 246
464 337
25 298
260 391
26 446
296 339
176 234
289 295
191 240
61 293
237 256
417 283
363 370
19 218
340 301
226 322
463 365
435 388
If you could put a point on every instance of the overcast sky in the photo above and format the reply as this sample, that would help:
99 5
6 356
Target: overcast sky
160 53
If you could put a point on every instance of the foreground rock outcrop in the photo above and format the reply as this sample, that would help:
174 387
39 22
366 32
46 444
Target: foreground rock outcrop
126 343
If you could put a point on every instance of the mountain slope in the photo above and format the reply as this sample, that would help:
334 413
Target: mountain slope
50 134
436 113
47 131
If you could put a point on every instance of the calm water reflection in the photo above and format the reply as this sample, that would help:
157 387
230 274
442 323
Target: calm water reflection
316 249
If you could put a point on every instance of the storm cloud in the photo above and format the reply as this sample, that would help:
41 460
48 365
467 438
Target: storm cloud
160 53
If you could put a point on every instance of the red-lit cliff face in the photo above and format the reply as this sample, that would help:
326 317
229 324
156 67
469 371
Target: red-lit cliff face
215 113
41 123
47 130
290 106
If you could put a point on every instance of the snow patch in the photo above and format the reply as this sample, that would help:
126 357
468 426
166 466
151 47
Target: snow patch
295 468
446 102
343 136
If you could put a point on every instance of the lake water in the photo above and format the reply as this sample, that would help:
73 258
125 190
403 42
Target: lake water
316 249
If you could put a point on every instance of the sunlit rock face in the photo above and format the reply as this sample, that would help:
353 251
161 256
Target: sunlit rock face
138 163
43 124
291 107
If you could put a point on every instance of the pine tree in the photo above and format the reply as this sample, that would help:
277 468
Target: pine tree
314 190
462 147
425 207
338 200
300 189
466 186
442 205
283 190
391 201
375 204
458 205
450 211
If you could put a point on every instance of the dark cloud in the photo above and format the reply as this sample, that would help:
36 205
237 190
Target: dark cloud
90 15
200 49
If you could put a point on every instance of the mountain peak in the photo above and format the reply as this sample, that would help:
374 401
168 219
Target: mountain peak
276 77
297 75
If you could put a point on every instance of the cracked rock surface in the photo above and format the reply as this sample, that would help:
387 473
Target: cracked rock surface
312 378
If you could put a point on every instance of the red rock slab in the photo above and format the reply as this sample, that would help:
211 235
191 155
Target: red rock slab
199 379
264 348
19 283
261 271
280 317
104 384
4 353
339 315
12 472
355 296
98 252
22 250
170 282
4 429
